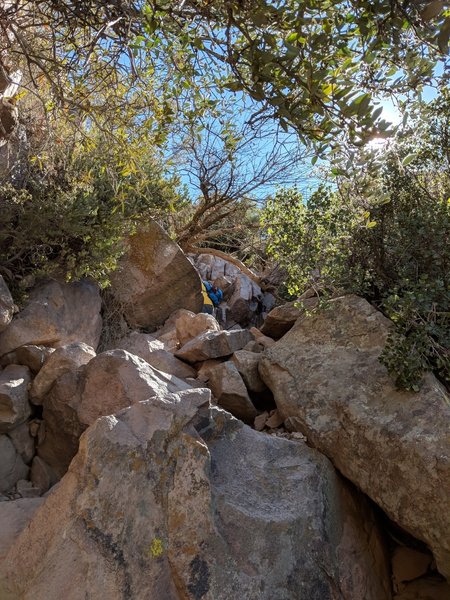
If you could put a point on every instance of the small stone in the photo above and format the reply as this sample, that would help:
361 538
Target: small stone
275 419
260 421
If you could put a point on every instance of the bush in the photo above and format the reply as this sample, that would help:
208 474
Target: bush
385 238
72 210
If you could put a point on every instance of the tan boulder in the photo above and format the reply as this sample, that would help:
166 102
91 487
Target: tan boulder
56 314
264 340
394 445
228 388
428 588
116 379
63 359
29 356
14 517
42 476
154 279
6 305
190 325
408 564
214 344
247 365
12 467
152 351
14 405
171 499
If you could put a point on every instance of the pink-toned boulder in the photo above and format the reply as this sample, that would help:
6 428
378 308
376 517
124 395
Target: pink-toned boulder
282 318
189 325
154 279
56 314
14 517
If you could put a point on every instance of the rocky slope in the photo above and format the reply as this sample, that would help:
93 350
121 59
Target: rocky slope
195 462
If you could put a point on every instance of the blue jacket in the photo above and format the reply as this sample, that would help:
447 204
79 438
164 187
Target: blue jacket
216 297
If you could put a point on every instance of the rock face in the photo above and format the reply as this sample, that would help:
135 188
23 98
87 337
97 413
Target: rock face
214 344
159 503
154 279
394 445
64 359
14 405
280 320
56 314
6 305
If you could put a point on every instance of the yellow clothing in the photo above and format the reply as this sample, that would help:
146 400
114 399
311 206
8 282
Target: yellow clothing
206 298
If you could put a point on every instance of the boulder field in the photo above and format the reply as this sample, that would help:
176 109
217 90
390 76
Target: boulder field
185 461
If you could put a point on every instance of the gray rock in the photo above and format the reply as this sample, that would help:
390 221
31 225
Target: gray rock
394 445
56 314
14 405
43 477
23 442
214 344
14 517
171 499
29 356
12 467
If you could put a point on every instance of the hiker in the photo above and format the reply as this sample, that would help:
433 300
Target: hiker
212 297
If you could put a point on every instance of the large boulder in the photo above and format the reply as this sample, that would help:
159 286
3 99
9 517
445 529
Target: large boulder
326 378
56 314
282 318
6 305
109 382
214 344
63 359
244 299
247 364
154 279
171 499
30 356
14 405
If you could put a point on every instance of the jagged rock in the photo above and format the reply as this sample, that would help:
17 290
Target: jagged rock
425 589
247 365
6 305
229 390
408 564
154 279
190 325
55 315
63 359
253 346
214 344
170 499
12 467
260 421
14 405
274 420
116 379
225 284
394 445
282 318
23 442
212 267
29 356
14 517
43 477
152 351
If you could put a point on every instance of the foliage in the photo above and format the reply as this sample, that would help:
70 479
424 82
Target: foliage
72 207
312 65
386 239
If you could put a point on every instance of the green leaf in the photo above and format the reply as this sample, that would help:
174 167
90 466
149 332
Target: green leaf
409 158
